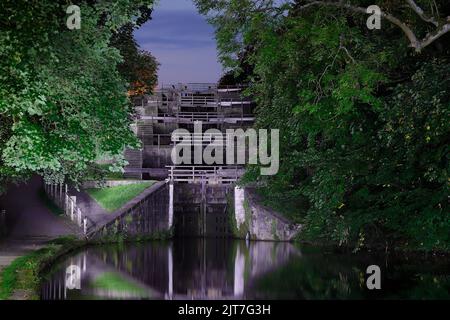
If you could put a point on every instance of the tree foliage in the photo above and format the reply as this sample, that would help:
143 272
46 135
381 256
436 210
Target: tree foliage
363 118
63 102
139 68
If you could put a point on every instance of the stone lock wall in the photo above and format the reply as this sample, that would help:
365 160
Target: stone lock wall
251 219
146 216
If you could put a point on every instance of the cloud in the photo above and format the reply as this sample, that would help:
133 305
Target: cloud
182 41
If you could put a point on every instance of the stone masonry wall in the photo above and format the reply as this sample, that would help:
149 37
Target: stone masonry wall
258 221
145 216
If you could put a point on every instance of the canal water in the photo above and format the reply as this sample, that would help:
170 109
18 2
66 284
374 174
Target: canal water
232 269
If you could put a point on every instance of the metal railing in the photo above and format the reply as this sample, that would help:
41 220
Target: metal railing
190 117
195 139
59 194
197 87
201 86
211 174
198 116
231 87
191 100
195 101
231 102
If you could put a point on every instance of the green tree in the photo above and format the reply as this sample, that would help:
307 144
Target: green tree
362 115
63 103
139 68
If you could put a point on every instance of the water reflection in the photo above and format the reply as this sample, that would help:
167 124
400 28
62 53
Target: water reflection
227 269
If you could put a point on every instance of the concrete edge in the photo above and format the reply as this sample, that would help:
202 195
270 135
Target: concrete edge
130 204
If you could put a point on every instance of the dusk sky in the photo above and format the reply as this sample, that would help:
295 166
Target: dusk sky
182 42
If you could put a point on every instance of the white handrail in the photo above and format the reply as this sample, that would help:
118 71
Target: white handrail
61 197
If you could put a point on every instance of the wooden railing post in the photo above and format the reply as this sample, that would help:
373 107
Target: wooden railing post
72 206
85 225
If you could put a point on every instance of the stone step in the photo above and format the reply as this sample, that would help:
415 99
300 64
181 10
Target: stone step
134 158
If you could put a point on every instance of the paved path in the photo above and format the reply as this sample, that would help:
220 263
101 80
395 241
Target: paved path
30 223
90 207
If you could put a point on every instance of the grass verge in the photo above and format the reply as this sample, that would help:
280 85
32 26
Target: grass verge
114 198
111 281
24 273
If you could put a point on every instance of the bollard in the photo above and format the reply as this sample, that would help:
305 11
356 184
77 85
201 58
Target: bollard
79 217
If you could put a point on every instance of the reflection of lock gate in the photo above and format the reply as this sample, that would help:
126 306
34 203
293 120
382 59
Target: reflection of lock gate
258 258
60 196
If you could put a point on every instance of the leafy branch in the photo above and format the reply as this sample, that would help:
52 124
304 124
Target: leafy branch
441 27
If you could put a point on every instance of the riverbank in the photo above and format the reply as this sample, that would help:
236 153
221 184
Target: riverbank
242 270
259 203
252 216
36 232
21 279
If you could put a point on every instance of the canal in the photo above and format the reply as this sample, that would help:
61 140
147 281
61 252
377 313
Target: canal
233 269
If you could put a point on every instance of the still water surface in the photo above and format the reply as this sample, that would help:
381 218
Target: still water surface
232 269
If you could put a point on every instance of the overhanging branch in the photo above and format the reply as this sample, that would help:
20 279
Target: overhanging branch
418 45
421 13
